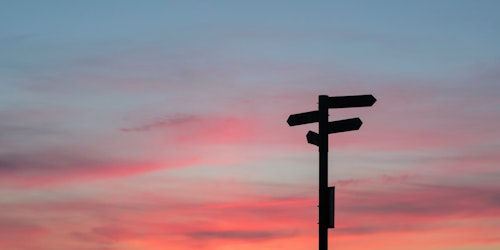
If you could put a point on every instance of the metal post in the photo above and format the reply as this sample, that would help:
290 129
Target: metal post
323 171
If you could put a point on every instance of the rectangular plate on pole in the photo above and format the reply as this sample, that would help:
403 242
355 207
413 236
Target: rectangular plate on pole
331 207
351 101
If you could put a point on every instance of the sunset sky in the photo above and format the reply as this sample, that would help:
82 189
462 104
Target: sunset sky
131 125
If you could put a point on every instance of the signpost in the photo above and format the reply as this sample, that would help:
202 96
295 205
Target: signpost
303 118
320 139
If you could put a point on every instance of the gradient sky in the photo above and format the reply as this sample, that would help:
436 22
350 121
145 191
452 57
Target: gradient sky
131 125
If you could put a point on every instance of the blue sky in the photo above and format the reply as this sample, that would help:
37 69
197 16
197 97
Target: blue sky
153 123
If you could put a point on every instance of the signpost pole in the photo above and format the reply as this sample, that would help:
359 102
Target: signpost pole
323 171
320 139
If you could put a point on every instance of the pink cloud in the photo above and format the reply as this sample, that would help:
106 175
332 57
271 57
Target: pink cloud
50 168
413 209
396 206
15 233
387 206
204 130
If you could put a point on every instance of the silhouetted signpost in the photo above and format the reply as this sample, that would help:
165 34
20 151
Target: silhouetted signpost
320 139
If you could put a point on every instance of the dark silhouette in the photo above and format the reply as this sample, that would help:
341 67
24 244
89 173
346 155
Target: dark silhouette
320 139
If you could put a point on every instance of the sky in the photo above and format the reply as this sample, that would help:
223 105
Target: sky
129 125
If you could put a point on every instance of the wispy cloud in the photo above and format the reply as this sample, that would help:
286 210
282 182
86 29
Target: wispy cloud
239 235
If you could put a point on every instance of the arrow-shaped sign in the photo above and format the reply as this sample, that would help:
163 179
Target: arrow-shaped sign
351 101
333 102
312 138
303 118
344 125
335 127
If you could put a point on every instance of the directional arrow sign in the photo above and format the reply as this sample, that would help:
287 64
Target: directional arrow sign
313 138
344 125
351 101
335 127
303 118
